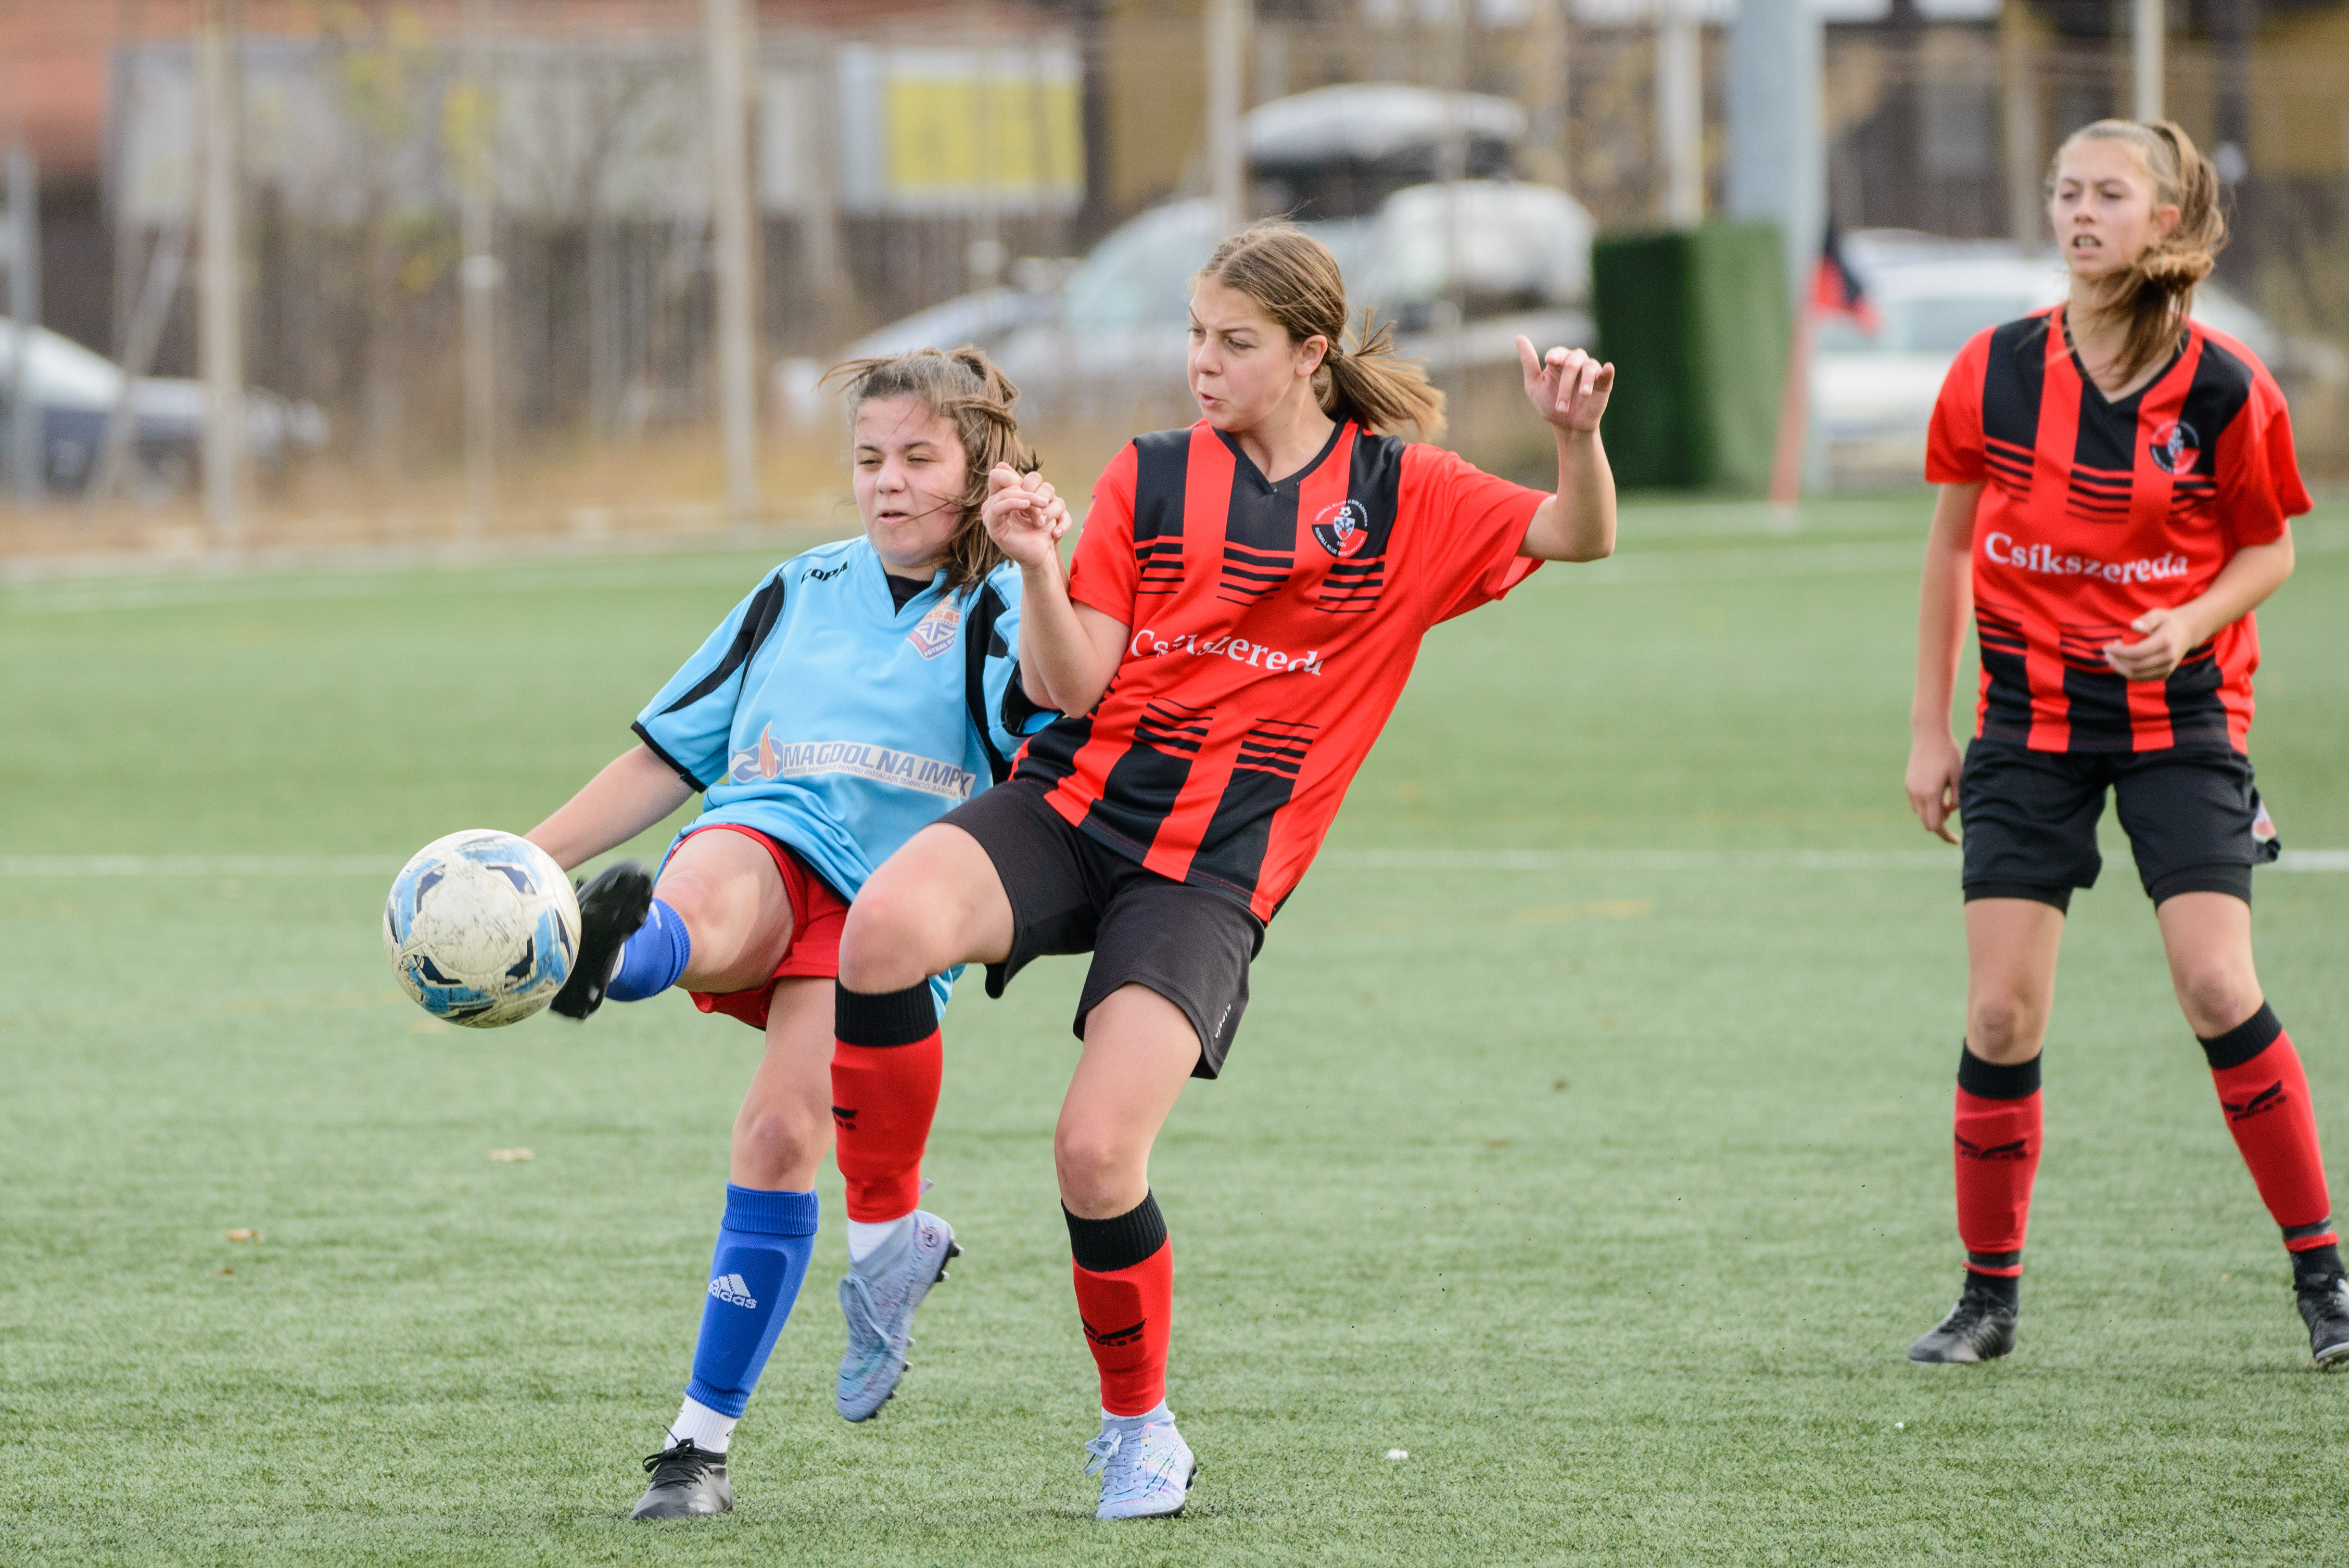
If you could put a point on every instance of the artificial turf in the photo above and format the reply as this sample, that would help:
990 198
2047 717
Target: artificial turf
1585 1138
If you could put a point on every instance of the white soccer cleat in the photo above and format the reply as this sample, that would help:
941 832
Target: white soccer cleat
1145 1474
880 1313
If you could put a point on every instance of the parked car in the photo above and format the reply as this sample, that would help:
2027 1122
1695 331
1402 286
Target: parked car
75 391
1873 393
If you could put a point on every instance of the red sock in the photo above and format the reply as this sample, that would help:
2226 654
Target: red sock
2264 1092
1996 1146
1127 1303
887 1062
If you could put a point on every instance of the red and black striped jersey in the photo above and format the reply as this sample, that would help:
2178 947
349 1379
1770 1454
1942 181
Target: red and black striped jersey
2097 510
1271 629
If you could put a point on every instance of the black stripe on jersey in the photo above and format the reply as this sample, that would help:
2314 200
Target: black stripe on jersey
2098 495
1052 752
1144 785
2011 382
1375 484
2214 399
2010 466
765 608
1263 779
2006 714
2191 694
1162 465
1172 726
2096 696
1259 537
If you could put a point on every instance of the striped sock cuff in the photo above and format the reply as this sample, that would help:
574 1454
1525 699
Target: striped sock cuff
2309 1237
1106 1246
1998 1265
1996 1080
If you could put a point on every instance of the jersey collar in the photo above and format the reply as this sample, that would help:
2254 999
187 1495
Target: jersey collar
1244 464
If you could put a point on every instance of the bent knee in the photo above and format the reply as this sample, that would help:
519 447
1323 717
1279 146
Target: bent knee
2005 1028
781 1138
2216 1000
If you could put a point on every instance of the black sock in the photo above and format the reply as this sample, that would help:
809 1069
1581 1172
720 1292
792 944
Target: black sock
2004 1289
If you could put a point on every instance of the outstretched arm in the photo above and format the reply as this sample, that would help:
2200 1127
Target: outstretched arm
1569 389
634 791
1942 605
1068 651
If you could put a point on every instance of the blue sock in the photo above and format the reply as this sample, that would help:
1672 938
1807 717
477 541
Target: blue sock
652 959
762 1254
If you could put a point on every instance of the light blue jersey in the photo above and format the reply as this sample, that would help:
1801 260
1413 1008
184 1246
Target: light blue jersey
824 716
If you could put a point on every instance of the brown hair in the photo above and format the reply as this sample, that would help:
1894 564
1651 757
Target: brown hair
965 389
2154 295
1296 279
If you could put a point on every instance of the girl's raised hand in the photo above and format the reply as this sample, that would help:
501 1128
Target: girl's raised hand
1568 387
1024 515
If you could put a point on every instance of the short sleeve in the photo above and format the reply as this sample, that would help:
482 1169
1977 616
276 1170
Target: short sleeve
1465 527
1953 444
1012 717
2260 485
689 721
1105 574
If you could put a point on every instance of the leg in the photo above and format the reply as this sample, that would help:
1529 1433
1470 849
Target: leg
2257 1071
2011 948
1139 1051
763 1247
726 888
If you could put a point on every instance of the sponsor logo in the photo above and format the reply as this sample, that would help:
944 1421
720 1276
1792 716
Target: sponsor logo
935 632
2048 561
1111 1338
770 760
733 1290
2175 448
1146 643
821 576
2018 1149
2267 1100
1342 529
844 1117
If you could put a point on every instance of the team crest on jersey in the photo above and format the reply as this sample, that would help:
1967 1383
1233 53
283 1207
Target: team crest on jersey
934 634
1342 529
2175 448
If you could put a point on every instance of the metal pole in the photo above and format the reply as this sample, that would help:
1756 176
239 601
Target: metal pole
25 419
2019 76
1778 149
1680 115
1228 25
2145 45
726 42
220 303
480 271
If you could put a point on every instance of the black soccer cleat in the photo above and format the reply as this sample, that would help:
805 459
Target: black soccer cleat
688 1483
611 908
1981 1327
2324 1307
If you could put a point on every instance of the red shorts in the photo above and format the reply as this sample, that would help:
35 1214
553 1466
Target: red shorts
817 915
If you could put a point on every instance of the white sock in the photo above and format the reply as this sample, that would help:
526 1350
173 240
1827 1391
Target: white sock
865 1240
709 1431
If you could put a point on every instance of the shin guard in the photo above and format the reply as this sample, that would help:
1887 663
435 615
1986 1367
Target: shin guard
887 1063
1996 1149
763 1248
1123 1270
2264 1092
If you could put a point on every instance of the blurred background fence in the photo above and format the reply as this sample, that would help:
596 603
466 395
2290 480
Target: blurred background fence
904 155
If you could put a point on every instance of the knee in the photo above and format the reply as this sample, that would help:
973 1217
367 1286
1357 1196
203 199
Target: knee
1092 1161
2004 1028
887 938
780 1137
2216 998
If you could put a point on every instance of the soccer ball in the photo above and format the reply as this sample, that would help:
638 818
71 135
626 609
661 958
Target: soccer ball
481 928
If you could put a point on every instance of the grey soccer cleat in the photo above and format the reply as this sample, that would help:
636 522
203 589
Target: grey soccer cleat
2324 1307
878 1297
1981 1327
1145 1474
689 1482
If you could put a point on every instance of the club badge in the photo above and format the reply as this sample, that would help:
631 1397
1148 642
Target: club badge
1342 529
934 634
2175 448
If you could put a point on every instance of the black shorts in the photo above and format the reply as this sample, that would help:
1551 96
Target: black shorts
1069 893
2030 820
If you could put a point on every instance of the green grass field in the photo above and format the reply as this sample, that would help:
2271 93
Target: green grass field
1612 1183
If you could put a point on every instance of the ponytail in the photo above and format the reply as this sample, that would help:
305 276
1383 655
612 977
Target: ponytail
2155 295
1296 280
966 389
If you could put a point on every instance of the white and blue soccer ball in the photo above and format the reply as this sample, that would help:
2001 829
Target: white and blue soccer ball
481 928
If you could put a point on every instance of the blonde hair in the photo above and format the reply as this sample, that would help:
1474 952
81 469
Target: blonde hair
1296 280
2156 292
965 389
